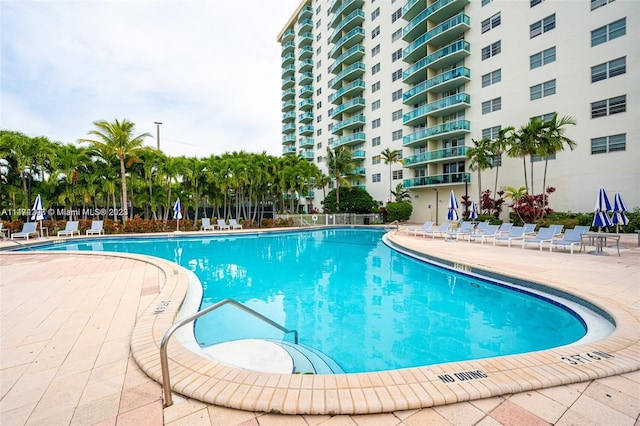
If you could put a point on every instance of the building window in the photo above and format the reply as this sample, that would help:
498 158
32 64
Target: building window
542 58
609 69
545 117
492 105
609 144
375 160
319 105
486 2
397 35
491 50
396 95
318 132
535 157
491 132
609 106
375 141
492 78
398 154
375 105
396 135
599 3
542 26
319 91
375 178
320 159
396 115
318 51
318 119
375 123
375 50
375 69
538 91
396 174
319 145
397 75
396 55
319 64
490 23
318 37
609 32
375 14
396 15
375 87
375 32
533 3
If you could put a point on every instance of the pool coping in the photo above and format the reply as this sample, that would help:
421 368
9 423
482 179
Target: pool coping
367 393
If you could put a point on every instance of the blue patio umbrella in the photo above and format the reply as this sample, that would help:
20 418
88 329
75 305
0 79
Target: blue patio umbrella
177 213
603 206
619 208
37 212
473 211
452 205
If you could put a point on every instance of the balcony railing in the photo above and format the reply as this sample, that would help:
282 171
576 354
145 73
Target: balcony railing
354 52
460 22
305 117
453 52
450 128
289 69
431 156
358 154
289 116
358 171
346 7
411 96
409 10
305 78
288 47
353 138
306 104
305 65
352 37
451 178
355 121
353 87
288 82
288 58
351 105
287 139
305 53
441 105
288 105
305 25
305 39
288 35
305 130
288 128
354 19
287 94
305 12
306 91
306 143
352 71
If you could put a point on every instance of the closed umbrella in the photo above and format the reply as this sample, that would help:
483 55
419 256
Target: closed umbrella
177 213
473 211
603 206
452 205
38 211
619 208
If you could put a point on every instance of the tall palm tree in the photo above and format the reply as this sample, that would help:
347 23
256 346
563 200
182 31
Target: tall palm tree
554 141
339 163
118 137
525 142
497 147
389 157
480 159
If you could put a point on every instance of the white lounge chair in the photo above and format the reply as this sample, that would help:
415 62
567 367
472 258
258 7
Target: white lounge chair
441 230
544 235
234 225
490 231
97 227
415 230
516 233
222 225
206 225
465 228
28 229
70 229
570 238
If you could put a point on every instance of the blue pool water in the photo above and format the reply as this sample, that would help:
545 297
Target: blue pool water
351 297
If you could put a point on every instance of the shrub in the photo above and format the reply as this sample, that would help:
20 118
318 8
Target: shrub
352 200
400 211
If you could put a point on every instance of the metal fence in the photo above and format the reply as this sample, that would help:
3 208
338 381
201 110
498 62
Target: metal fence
333 219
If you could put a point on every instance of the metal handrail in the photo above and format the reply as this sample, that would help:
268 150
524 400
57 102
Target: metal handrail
164 362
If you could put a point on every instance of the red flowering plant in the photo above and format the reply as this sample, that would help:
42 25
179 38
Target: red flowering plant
529 208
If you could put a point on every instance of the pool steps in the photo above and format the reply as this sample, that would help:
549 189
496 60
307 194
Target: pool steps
309 360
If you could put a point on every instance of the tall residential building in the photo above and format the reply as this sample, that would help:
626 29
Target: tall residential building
426 78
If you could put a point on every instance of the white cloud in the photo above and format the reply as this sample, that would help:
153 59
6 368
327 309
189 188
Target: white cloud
208 70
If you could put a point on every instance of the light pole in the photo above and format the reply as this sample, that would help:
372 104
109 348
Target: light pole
158 123
436 189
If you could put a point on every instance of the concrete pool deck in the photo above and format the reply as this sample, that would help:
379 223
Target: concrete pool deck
67 322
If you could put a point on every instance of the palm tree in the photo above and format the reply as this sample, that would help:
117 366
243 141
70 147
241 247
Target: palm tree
118 138
525 142
401 194
480 159
554 141
497 147
339 162
389 157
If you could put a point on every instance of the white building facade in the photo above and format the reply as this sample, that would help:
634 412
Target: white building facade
424 78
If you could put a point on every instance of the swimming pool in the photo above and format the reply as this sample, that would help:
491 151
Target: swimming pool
355 300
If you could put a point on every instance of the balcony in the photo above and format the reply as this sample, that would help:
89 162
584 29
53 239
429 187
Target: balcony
335 4
354 19
448 179
305 105
353 37
306 143
360 171
305 13
305 117
305 53
289 128
417 26
441 107
305 65
351 90
350 73
306 130
287 59
288 82
358 154
305 39
443 9
355 104
445 81
444 33
288 150
349 123
446 154
288 35
288 47
287 139
288 105
352 139
288 116
450 129
350 56
348 6
306 91
288 70
288 94
305 25
411 9
442 58
305 78
307 155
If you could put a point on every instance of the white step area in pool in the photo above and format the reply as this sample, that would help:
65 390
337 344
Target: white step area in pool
308 360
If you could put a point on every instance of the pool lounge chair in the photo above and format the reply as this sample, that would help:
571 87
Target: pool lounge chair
505 228
96 228
480 227
516 233
582 229
4 231
441 230
234 225
70 229
222 224
206 225
544 235
570 238
28 229
490 231
415 230
529 228
557 229
465 228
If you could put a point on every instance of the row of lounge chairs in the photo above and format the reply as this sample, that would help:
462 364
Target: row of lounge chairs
221 225
505 233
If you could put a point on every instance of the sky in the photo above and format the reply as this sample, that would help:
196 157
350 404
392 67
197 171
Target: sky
209 70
